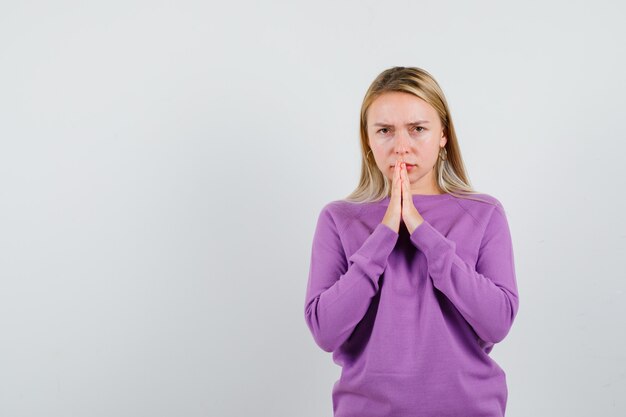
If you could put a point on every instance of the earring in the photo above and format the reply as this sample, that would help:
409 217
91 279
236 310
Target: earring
443 153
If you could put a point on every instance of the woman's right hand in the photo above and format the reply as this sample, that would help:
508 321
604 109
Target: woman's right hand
394 210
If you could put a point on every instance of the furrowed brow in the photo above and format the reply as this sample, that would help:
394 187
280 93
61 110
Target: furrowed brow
417 122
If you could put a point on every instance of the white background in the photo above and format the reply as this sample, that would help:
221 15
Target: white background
163 163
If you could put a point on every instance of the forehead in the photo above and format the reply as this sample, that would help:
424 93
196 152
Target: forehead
399 108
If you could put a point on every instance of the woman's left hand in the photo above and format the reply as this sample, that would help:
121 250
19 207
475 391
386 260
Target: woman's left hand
410 215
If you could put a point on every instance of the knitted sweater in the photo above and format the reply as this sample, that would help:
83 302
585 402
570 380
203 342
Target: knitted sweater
411 318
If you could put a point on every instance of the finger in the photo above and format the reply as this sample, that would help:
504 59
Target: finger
402 181
396 173
406 189
399 185
396 180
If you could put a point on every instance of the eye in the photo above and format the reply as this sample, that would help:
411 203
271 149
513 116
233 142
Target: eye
380 130
419 127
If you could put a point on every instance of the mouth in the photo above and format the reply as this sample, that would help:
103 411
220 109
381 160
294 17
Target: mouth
409 167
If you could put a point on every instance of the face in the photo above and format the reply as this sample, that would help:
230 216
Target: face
401 126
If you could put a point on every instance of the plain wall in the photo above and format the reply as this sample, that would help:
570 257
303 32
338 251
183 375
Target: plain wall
163 163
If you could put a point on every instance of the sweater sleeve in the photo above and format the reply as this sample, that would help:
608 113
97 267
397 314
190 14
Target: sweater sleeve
339 290
486 296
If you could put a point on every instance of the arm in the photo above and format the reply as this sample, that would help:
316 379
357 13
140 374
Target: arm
339 292
487 296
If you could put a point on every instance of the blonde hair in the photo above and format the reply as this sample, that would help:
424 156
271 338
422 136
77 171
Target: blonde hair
450 173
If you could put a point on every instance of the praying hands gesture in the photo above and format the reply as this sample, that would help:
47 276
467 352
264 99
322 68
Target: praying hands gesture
401 205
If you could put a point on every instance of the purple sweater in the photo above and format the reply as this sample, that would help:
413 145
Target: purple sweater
411 318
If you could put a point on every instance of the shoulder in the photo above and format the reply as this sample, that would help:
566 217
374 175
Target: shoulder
481 206
340 207
341 211
480 198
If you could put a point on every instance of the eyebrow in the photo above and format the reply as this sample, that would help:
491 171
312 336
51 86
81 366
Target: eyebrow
417 122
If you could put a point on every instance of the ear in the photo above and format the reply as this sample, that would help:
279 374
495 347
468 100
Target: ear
443 140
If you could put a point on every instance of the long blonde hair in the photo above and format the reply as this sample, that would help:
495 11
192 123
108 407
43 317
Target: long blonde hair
450 172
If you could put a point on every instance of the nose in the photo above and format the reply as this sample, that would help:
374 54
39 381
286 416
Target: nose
402 143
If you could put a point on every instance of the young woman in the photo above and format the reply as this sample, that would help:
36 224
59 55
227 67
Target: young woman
412 276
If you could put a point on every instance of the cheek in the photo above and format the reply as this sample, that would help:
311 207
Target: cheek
429 151
379 154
